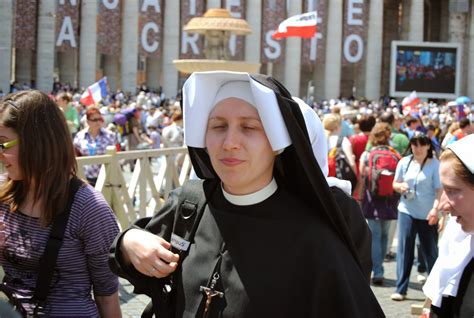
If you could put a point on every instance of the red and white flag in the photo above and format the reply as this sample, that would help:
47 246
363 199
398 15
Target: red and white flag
94 93
301 25
409 103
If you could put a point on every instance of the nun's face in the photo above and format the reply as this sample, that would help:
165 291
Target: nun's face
238 147
457 197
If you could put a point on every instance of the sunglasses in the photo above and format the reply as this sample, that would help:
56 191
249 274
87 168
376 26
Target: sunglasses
95 119
8 145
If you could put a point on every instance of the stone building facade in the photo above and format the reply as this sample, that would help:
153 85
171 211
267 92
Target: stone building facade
134 42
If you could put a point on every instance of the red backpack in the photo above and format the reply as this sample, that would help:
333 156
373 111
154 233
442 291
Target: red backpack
383 162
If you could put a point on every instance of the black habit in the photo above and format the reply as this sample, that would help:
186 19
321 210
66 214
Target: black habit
303 252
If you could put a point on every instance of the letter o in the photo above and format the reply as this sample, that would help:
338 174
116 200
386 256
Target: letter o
110 4
347 48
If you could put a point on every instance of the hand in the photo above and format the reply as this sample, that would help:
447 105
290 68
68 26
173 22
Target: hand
149 253
432 217
441 223
404 187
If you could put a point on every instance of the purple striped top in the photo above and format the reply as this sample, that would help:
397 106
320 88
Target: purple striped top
82 263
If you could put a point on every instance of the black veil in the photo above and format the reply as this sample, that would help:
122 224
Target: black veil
295 168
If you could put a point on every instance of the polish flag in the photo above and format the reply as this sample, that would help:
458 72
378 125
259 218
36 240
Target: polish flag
409 103
301 25
94 93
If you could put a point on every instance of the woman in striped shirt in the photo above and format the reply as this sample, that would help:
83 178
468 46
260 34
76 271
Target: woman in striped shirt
38 155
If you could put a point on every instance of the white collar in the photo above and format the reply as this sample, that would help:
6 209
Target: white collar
252 198
455 251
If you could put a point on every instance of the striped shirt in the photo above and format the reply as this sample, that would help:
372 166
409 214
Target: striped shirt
82 263
89 146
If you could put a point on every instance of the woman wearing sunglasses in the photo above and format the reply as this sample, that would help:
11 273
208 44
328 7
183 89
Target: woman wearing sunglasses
417 180
92 141
37 153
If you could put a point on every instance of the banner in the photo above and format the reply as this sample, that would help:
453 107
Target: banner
67 25
313 50
237 9
192 44
355 31
273 11
109 27
150 28
25 24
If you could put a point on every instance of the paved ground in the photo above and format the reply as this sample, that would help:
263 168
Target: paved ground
132 305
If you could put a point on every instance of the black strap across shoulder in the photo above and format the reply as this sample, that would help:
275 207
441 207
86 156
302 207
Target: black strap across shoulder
191 205
55 241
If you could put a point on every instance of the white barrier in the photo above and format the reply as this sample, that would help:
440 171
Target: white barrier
146 189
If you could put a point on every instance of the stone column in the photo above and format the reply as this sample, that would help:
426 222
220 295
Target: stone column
214 4
67 64
111 63
293 54
88 43
373 65
444 21
153 71
6 35
332 87
129 46
457 34
45 45
470 63
23 66
252 41
171 48
416 20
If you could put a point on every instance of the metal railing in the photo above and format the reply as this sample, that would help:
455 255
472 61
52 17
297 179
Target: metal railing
141 191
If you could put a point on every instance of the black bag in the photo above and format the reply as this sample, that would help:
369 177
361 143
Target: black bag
192 203
47 261
343 169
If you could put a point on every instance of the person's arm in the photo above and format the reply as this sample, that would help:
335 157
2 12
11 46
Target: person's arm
432 216
347 148
398 184
108 306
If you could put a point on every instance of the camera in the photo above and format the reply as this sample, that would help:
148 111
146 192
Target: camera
409 195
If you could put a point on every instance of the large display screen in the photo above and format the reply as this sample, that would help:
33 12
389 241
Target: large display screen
429 68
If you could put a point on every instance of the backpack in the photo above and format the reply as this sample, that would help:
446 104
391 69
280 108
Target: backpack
192 202
339 166
122 121
383 162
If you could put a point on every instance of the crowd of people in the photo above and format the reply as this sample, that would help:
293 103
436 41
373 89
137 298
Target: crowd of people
335 180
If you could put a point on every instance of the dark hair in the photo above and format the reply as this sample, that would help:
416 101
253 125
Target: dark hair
464 122
177 115
366 123
64 96
410 120
380 134
387 118
420 138
458 167
92 111
46 153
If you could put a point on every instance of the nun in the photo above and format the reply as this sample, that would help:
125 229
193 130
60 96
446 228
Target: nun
450 285
273 240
